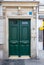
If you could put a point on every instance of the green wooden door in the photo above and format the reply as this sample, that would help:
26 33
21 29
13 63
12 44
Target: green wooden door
24 37
19 37
13 37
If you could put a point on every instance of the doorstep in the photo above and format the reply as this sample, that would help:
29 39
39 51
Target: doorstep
16 57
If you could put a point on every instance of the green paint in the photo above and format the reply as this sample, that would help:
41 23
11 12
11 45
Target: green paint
19 37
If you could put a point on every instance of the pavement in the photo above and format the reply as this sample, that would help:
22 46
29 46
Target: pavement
22 62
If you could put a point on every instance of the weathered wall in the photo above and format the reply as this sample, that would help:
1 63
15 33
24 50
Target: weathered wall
11 12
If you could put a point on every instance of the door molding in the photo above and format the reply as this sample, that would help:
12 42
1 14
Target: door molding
7 31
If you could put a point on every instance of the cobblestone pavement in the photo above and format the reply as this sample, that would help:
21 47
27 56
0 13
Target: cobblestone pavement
22 62
34 62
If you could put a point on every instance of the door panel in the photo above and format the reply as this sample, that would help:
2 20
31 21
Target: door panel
13 37
24 37
19 37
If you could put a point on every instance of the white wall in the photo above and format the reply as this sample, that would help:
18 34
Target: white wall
40 44
41 8
1 26
0 10
1 31
1 54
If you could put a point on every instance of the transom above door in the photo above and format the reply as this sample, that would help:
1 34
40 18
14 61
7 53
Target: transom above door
19 37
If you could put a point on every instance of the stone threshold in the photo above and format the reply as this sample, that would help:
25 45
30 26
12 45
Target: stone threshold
16 57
